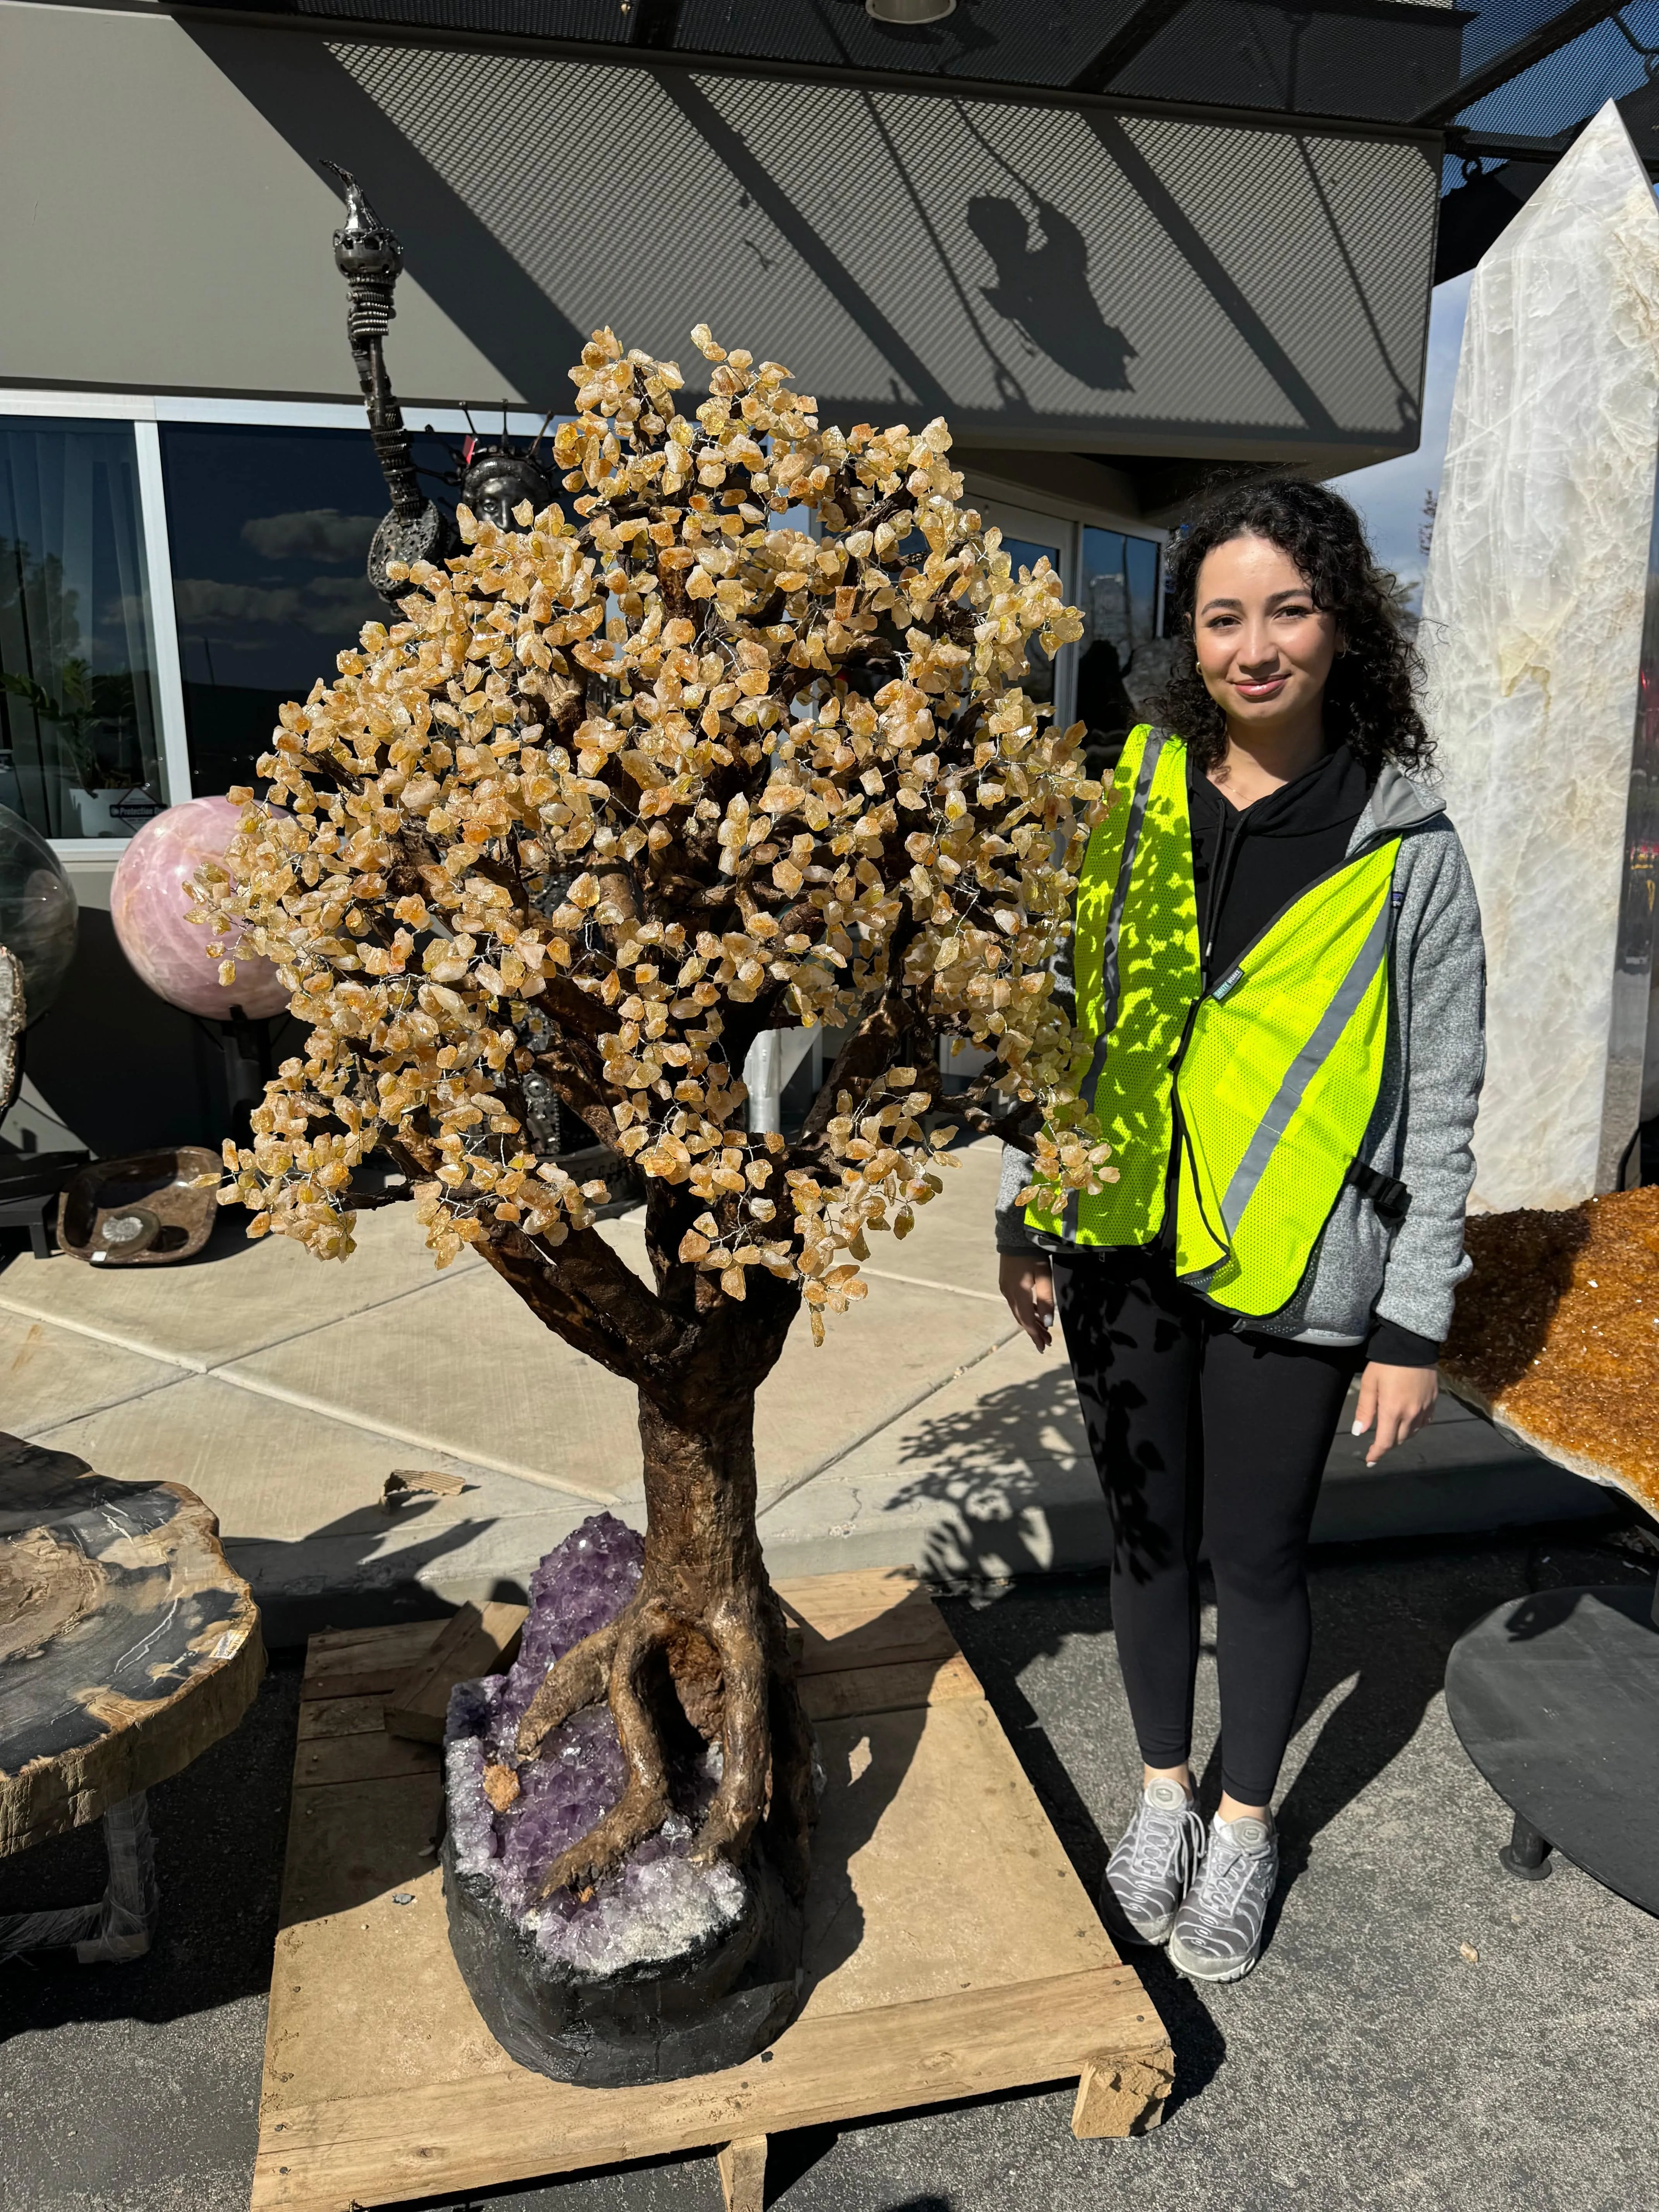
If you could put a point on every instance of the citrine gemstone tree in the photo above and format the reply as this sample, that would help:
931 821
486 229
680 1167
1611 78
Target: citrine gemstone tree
625 788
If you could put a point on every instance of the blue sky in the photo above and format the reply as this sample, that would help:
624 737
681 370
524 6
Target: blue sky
1390 495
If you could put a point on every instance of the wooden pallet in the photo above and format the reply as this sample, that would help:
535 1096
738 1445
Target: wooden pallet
952 1949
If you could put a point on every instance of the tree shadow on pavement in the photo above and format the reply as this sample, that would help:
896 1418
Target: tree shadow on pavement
1012 1471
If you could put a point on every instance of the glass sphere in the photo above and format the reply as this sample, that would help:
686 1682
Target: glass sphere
150 903
36 912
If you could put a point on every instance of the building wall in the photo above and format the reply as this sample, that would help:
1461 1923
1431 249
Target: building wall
1050 278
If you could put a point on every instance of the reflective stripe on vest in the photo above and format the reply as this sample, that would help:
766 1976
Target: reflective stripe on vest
1278 1084
1282 1061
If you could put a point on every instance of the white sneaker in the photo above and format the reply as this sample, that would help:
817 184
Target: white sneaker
1155 1864
1217 1935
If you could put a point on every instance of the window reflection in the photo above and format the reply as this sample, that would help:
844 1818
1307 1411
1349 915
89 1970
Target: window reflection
1119 614
80 741
270 529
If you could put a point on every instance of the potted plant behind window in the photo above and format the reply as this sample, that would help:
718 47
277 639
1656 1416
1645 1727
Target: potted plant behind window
109 801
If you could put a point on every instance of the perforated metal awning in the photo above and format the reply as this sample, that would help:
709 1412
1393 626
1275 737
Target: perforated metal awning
1506 85
1163 233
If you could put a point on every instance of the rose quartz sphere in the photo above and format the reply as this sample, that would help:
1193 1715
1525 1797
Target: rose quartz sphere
148 903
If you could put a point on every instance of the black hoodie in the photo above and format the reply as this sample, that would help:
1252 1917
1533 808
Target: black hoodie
1248 865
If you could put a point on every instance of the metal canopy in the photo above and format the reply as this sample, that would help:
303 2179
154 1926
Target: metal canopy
1425 62
1505 85
1164 233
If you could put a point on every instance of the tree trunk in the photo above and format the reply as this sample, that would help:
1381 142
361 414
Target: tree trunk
703 1640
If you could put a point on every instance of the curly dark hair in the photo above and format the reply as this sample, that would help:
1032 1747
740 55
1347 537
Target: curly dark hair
1371 697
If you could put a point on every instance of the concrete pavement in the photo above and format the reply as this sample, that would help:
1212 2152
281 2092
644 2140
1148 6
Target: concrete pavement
926 1431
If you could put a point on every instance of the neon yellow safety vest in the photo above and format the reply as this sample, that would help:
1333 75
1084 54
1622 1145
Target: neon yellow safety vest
1268 1079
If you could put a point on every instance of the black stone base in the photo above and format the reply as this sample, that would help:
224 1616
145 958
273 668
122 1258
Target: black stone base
708 2009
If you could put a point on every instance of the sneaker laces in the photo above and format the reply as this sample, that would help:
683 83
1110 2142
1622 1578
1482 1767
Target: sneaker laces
1158 1832
1223 1881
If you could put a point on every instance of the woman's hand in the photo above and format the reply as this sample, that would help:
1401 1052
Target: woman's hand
1400 1400
1026 1281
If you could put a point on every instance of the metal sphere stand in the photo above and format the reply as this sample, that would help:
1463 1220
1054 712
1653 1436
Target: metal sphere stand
1555 1698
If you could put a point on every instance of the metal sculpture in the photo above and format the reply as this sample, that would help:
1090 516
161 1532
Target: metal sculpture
492 479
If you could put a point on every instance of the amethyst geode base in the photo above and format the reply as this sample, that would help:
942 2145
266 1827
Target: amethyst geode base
666 1967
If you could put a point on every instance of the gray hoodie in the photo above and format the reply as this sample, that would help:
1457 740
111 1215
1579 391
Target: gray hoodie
1433 1060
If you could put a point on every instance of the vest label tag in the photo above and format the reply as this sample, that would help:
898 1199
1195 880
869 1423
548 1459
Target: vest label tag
1228 984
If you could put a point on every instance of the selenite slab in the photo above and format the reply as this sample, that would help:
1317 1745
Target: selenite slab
1532 629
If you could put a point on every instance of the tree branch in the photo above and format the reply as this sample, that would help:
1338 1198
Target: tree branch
581 1290
586 1293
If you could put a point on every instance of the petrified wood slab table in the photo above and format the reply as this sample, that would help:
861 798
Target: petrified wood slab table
951 1949
127 1645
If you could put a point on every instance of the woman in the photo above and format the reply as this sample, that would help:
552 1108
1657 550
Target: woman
1280 981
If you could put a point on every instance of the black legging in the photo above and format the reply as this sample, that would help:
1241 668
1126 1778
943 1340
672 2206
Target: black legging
1200 1434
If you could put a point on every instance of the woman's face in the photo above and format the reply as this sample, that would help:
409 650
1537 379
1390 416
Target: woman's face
1264 648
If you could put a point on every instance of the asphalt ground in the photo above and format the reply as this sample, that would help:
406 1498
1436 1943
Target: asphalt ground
1367 2063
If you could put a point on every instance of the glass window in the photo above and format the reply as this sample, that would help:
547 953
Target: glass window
1120 614
270 529
80 735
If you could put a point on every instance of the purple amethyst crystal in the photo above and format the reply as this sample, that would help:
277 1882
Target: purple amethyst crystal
580 1587
665 1967
657 1905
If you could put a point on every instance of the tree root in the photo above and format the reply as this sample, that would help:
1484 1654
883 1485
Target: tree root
739 1693
643 1805
577 1679
746 1743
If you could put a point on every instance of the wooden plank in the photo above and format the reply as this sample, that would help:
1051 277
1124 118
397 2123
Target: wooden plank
869 1617
862 1593
351 1848
835 1638
448 2137
1120 2097
341 1716
934 1867
476 1640
952 1952
888 1689
866 1620
362 1662
329 1760
742 2169
934 1870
